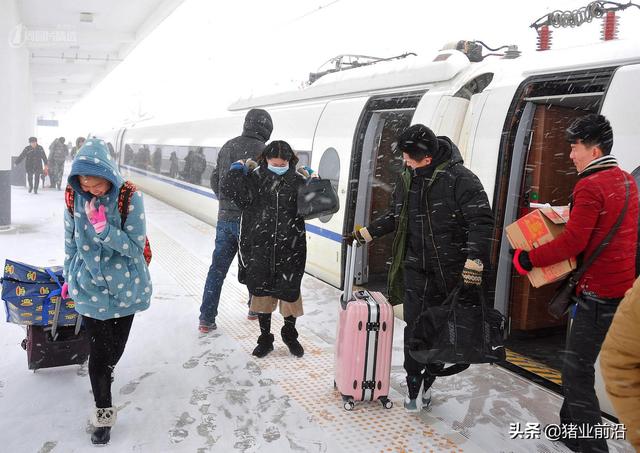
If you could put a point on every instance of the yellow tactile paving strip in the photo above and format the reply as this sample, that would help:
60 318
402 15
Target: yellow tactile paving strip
535 367
309 381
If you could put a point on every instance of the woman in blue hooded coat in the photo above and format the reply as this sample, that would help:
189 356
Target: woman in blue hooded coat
105 270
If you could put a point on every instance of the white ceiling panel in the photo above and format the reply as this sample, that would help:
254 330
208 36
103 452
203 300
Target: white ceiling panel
69 56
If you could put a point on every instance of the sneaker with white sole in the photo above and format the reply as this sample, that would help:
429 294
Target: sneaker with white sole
206 327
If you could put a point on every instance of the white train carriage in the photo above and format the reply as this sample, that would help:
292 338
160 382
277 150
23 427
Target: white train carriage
507 115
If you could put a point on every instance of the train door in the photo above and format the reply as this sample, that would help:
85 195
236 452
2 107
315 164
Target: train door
535 156
376 166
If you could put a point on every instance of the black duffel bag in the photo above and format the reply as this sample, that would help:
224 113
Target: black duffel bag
461 330
317 198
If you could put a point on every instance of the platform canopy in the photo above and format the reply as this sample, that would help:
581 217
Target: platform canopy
73 45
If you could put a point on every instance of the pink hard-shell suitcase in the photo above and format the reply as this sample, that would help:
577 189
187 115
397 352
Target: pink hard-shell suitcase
363 344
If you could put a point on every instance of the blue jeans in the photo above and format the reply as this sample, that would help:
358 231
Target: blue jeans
224 251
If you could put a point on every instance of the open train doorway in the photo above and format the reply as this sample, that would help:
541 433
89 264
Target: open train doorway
380 165
540 171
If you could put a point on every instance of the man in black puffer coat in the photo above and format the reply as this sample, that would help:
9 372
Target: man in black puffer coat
35 157
443 224
257 130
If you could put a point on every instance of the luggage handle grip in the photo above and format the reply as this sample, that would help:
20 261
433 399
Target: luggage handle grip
348 274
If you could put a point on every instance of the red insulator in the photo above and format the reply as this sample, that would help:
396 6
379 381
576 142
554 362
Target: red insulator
609 26
544 38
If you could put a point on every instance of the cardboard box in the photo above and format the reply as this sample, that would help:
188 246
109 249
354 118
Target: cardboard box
535 229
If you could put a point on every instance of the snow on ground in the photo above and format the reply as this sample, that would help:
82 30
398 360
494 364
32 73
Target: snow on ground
178 390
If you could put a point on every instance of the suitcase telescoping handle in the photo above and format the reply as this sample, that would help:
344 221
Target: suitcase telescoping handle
350 268
56 314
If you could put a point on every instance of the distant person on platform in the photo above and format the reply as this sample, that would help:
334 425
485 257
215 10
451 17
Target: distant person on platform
198 166
35 158
75 149
174 166
255 133
58 153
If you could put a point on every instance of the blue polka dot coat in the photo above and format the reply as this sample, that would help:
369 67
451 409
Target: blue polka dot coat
106 272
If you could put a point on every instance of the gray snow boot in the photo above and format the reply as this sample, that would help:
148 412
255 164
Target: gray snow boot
413 389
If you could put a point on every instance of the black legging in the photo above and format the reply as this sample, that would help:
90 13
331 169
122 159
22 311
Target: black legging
108 339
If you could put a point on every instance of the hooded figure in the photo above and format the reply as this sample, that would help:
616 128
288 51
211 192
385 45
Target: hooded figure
256 131
105 270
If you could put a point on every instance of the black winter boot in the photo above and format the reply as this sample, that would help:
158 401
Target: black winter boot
101 435
290 336
265 345
265 340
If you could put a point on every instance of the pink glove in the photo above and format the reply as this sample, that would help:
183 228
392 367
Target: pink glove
65 291
97 217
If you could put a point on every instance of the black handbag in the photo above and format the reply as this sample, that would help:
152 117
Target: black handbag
461 330
563 298
317 198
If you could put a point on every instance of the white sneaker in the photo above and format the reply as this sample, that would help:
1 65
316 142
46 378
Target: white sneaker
426 399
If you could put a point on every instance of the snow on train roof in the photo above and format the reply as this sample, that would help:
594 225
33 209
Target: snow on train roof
413 72
409 72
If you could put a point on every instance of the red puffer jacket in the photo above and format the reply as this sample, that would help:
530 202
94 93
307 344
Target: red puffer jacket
598 200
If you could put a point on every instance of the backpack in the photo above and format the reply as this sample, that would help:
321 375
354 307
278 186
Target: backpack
124 198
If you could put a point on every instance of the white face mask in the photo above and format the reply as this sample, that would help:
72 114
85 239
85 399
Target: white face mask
277 170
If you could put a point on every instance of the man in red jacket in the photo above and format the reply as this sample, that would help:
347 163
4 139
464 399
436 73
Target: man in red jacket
597 201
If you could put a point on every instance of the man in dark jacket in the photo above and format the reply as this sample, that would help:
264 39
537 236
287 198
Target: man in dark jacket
35 157
58 153
257 130
79 142
198 166
443 226
597 201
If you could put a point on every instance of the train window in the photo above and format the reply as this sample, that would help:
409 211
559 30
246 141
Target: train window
211 156
329 168
142 157
304 158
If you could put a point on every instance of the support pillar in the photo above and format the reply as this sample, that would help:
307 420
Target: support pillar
16 103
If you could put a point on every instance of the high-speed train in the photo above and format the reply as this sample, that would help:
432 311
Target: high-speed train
507 115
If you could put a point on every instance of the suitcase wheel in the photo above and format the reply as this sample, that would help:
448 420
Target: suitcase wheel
349 405
386 402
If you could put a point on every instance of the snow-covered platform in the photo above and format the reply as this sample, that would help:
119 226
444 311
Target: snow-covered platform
178 390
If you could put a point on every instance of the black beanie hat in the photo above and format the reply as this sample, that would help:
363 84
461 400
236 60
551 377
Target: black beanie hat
418 141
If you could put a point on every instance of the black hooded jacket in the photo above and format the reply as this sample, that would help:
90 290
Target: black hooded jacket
256 131
273 246
448 217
